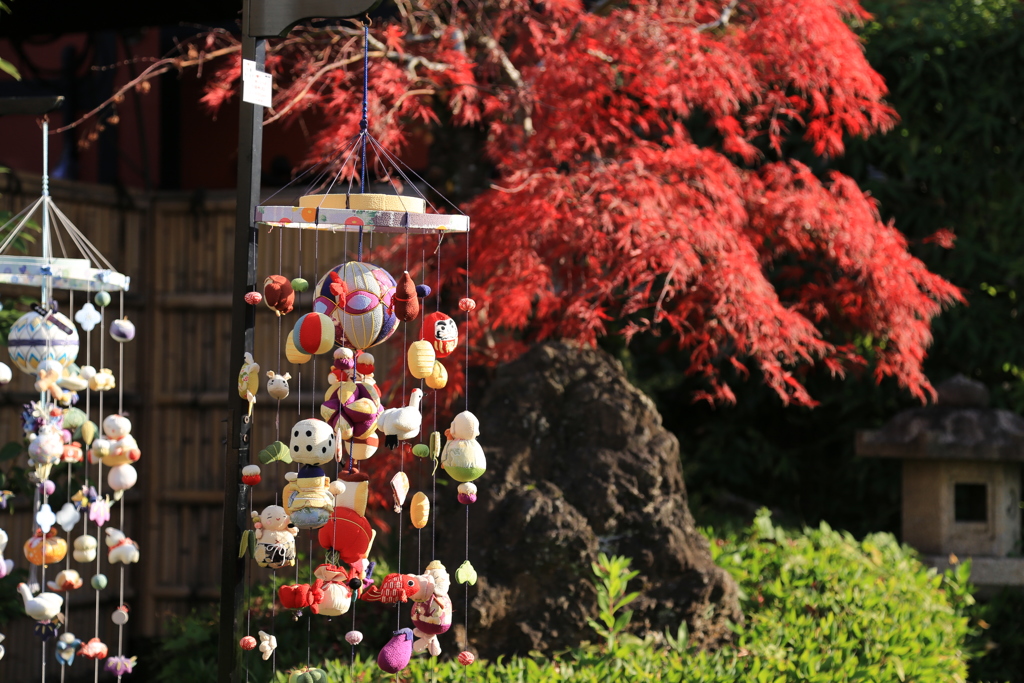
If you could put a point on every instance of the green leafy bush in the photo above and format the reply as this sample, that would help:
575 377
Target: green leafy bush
820 606
612 574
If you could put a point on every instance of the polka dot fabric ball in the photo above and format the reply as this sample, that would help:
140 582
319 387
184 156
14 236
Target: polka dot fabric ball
312 442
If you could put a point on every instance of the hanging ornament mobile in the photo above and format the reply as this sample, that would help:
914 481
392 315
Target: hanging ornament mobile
357 306
46 344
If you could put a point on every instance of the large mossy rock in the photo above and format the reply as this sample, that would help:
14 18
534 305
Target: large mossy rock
579 463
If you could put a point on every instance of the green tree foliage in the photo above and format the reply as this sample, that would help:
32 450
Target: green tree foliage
956 163
5 66
953 167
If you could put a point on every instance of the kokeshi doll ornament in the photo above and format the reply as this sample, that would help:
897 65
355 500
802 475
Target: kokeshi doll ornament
421 359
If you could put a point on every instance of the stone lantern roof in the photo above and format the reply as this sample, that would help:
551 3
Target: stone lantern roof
960 426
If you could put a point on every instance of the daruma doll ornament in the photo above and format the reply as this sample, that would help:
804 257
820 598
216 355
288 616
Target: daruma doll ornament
34 339
440 330
364 314
313 334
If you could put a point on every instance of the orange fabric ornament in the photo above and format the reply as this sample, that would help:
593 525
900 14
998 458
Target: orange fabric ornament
41 551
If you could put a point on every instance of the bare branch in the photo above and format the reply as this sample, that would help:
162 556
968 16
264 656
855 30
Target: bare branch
506 64
723 20
410 61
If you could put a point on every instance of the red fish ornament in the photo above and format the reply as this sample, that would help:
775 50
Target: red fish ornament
394 588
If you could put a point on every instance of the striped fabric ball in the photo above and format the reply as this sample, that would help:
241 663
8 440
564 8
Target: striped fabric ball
313 334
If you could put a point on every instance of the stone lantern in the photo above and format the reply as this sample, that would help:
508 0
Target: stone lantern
961 480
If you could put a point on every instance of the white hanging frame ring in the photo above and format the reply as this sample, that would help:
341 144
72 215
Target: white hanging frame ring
367 213
92 273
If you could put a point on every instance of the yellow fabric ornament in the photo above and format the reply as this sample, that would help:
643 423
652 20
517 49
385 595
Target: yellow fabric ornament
421 359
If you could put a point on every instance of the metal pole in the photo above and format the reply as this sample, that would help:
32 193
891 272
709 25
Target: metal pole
243 318
47 249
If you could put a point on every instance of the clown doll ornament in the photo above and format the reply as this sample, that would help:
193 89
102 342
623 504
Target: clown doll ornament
432 611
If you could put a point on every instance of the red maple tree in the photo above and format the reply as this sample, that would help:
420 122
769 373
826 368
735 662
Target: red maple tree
644 174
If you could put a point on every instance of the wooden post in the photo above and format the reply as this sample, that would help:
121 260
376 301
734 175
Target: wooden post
243 319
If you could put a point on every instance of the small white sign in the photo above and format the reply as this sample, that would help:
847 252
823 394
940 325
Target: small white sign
257 86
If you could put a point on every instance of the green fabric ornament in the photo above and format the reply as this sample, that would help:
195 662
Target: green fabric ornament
74 418
421 450
98 582
308 676
102 299
275 452
86 432
300 284
248 544
466 574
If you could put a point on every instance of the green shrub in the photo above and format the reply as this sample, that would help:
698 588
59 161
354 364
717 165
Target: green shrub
820 606
1000 635
823 606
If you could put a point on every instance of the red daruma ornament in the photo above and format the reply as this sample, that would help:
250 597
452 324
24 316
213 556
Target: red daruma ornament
441 331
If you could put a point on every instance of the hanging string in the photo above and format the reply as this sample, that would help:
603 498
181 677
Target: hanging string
120 367
398 611
248 596
466 612
99 490
120 598
465 370
280 323
273 613
309 615
67 557
363 123
120 411
42 579
316 280
433 474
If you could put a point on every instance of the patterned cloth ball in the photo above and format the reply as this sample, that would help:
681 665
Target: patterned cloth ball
34 339
366 317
